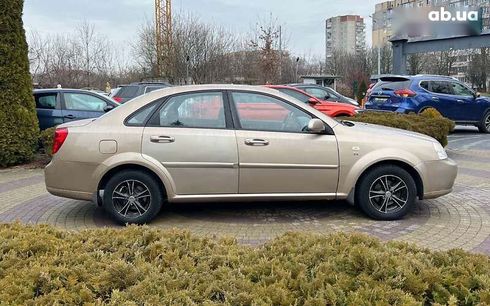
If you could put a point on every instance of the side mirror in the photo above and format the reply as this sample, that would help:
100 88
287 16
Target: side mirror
313 101
326 97
316 126
108 108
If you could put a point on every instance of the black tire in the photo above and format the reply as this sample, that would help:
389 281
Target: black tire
484 125
370 196
132 206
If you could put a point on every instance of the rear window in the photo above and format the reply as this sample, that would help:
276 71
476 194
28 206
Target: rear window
392 86
128 92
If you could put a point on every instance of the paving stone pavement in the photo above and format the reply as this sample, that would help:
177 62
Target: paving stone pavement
458 220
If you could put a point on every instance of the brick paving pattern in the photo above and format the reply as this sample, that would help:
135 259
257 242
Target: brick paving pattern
458 220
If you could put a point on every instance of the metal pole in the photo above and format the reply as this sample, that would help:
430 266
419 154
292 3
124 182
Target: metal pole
379 60
297 63
280 53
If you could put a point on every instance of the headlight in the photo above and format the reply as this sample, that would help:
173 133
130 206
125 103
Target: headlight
441 153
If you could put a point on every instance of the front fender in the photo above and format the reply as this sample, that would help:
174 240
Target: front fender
350 175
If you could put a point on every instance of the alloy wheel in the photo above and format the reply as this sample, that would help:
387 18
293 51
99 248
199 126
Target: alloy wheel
131 198
487 122
388 194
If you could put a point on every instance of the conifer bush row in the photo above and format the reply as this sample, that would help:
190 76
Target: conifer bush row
430 122
41 265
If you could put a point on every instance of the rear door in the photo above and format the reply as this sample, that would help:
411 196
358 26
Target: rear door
192 138
79 105
48 107
383 95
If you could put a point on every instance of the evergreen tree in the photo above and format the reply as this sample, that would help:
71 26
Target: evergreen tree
18 121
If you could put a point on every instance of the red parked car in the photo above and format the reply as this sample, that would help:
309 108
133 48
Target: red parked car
332 109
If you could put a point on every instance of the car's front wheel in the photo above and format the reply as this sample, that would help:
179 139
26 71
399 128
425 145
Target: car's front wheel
132 197
386 192
484 125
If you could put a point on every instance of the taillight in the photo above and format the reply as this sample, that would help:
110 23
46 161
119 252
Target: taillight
117 99
59 138
405 93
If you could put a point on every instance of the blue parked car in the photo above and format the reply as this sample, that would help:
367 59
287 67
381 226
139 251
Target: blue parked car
453 99
56 106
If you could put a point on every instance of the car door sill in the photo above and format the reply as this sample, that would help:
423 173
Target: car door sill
253 197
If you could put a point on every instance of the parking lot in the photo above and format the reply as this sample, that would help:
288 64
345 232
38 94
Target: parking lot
458 220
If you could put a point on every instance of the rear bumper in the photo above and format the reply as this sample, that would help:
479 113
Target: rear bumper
72 194
70 179
438 177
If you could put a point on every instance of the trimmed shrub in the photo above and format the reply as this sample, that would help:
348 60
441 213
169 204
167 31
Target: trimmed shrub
428 123
41 265
46 139
18 121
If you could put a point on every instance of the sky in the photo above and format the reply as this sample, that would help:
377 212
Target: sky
303 21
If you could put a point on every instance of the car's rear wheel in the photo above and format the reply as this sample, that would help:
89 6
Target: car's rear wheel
484 125
132 197
386 192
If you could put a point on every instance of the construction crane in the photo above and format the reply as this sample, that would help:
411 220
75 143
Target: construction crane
163 31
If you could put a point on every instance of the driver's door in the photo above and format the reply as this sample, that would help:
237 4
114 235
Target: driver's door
276 154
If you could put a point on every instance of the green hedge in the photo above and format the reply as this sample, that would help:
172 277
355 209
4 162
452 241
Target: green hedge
430 122
18 121
40 265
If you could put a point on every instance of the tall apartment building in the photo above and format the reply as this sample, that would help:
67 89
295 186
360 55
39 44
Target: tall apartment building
383 14
345 33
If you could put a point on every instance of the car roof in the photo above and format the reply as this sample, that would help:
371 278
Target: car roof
63 90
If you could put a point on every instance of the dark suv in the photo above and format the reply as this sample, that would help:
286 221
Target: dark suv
453 99
133 90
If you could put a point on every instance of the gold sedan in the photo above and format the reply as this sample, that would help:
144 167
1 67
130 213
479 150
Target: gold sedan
231 142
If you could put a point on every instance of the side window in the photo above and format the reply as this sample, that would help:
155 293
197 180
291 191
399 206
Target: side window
295 94
460 90
441 87
83 102
199 110
46 100
317 93
264 113
425 85
139 117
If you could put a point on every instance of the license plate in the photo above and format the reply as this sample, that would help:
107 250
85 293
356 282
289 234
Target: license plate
380 100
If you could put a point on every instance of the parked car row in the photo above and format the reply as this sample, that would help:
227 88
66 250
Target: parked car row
231 142
56 106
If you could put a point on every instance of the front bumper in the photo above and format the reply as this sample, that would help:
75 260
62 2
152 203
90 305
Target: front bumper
438 177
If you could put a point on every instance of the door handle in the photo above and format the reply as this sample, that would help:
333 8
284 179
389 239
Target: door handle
460 101
435 98
256 142
70 116
162 139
